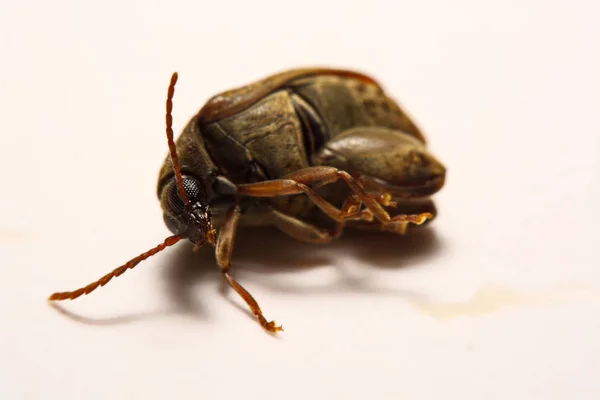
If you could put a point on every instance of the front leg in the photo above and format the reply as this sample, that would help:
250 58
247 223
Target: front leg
223 251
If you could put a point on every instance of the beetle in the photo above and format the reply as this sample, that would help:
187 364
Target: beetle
309 151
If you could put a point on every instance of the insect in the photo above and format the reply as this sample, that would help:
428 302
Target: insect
309 151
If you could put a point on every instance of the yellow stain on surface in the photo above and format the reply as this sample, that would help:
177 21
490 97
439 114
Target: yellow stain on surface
493 298
12 236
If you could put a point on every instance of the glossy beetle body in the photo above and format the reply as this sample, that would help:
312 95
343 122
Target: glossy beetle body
308 151
299 119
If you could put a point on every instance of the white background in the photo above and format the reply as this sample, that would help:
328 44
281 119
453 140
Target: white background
500 299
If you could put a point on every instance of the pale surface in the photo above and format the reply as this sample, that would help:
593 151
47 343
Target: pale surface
499 300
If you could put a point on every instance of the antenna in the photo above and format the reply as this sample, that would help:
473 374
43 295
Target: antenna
170 241
172 147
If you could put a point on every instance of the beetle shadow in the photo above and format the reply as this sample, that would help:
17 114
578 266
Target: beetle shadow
259 253
107 321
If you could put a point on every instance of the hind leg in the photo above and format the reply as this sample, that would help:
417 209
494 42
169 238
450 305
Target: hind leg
306 232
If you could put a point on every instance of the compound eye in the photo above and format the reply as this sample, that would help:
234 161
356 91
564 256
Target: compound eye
192 188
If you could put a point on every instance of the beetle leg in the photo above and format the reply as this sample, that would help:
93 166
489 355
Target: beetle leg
405 209
399 228
353 202
351 206
297 182
306 232
303 231
223 255
384 199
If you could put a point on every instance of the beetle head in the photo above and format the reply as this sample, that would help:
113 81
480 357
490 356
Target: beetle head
189 218
184 200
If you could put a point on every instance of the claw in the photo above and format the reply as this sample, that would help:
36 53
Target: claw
386 199
271 327
366 215
421 218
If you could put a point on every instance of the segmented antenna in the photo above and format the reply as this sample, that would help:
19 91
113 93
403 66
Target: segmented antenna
172 148
170 241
